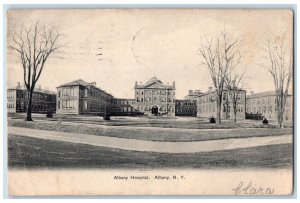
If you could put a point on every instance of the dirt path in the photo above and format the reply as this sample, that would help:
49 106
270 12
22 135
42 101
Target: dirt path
152 146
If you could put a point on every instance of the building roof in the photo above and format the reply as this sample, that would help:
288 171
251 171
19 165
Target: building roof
193 94
79 82
154 80
36 89
262 94
213 90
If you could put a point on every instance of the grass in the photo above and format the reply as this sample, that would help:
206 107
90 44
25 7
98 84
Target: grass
25 152
153 134
143 121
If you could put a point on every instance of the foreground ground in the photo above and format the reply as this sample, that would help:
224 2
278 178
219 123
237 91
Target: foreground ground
26 152
152 121
37 152
131 131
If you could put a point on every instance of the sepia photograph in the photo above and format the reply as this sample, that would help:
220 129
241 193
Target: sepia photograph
150 101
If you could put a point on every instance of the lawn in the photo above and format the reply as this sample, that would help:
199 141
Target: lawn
150 133
144 121
25 152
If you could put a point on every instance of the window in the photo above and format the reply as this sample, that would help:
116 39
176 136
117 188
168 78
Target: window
224 107
85 105
75 92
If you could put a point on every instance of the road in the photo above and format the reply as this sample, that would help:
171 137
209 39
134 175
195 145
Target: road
152 146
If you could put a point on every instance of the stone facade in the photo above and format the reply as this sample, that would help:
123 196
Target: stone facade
154 97
186 107
43 101
207 105
123 107
193 94
79 97
264 103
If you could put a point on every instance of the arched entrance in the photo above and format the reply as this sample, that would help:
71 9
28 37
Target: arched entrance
154 110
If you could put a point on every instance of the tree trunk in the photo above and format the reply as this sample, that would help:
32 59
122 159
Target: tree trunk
234 116
234 105
219 104
280 122
279 116
29 106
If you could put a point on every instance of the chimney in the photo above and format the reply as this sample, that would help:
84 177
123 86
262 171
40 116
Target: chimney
18 85
190 92
93 84
173 83
251 92
136 82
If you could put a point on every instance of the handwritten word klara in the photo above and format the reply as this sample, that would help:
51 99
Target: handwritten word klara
250 189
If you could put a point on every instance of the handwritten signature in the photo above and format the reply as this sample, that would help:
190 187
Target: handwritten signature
251 189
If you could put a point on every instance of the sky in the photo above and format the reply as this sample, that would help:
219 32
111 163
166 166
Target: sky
140 44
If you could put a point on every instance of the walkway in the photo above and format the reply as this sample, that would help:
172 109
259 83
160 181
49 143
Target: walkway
151 146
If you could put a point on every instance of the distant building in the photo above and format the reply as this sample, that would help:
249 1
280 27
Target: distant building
123 107
43 101
193 94
207 105
80 97
155 97
186 107
265 103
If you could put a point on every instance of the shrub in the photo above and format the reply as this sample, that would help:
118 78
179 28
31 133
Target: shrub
212 120
106 117
265 121
49 114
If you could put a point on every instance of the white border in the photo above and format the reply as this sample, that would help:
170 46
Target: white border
154 3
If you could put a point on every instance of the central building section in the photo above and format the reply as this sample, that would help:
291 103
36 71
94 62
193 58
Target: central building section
155 97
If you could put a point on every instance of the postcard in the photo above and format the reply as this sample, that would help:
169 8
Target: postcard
150 102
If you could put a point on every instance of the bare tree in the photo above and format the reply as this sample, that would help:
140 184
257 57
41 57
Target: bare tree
220 56
234 85
34 44
278 55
